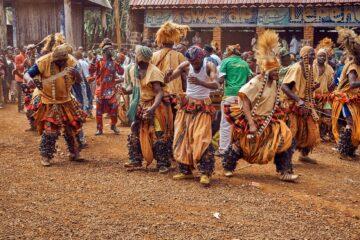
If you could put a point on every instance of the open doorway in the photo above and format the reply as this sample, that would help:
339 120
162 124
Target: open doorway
206 35
240 35
323 32
288 33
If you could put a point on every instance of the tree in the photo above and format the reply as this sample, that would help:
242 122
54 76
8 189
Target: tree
124 17
96 29
117 22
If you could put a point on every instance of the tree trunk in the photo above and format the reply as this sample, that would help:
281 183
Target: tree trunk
103 22
117 23
96 33
68 23
3 30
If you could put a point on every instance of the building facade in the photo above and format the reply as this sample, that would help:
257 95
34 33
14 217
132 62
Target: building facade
32 20
238 21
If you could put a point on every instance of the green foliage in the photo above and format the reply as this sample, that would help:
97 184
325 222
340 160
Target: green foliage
95 32
124 16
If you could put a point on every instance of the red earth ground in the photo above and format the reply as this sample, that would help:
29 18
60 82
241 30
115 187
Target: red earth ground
99 199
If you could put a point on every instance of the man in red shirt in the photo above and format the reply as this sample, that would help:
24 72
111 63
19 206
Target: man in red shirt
105 71
19 73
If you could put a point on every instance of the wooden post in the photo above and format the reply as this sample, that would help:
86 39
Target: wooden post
3 30
117 23
15 25
217 32
146 34
68 23
309 35
103 20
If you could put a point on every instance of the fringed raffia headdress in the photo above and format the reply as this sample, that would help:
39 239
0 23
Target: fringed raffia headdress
327 44
267 50
61 52
171 33
349 40
51 42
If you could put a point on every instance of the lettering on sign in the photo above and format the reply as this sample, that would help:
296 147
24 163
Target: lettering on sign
240 16
273 16
320 16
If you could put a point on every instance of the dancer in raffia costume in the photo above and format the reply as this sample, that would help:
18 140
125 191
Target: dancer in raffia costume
166 58
302 119
32 93
323 76
58 111
259 133
192 128
346 102
150 113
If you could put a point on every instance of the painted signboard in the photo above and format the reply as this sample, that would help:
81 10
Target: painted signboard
345 15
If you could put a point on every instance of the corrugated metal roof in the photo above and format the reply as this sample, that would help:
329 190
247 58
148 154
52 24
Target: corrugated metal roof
145 3
103 3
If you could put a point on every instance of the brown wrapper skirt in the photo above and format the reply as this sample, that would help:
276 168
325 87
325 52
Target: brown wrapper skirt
192 130
160 128
276 138
304 129
192 137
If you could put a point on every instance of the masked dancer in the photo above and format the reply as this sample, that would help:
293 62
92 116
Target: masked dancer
260 134
346 103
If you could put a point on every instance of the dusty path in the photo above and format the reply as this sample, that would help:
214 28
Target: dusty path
99 199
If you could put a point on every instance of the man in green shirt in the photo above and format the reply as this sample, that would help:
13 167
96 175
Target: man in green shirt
234 72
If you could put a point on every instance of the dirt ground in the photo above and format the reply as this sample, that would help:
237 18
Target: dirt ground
99 199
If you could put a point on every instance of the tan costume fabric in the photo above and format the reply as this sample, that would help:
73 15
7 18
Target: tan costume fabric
324 79
192 136
163 118
35 93
322 94
276 138
63 85
59 107
295 74
343 93
305 130
163 122
166 59
303 127
153 74
267 100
